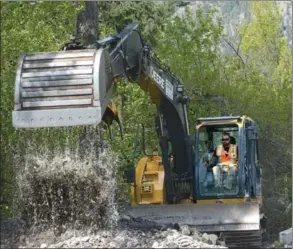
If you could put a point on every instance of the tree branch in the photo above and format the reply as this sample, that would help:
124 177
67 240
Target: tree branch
241 38
236 52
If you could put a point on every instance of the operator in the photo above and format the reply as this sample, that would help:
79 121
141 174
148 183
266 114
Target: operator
225 159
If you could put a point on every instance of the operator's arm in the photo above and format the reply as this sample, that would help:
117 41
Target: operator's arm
213 161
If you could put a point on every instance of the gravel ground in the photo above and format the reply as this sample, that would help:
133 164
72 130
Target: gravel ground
127 234
73 196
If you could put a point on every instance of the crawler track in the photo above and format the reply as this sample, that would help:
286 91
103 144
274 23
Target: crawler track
235 235
243 239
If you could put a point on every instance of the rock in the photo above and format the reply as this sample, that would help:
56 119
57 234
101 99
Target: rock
213 238
142 241
119 240
155 244
205 238
171 244
103 240
172 231
67 235
85 245
129 244
43 245
85 239
53 246
185 230
196 236
164 234
157 236
22 239
112 245
74 242
59 245
149 234
135 242
171 237
194 231
285 237
125 217
221 243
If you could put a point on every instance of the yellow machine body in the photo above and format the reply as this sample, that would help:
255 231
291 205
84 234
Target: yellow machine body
149 181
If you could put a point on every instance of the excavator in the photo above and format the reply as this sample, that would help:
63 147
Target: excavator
74 87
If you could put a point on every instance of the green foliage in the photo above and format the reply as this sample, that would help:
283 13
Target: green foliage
257 81
135 105
136 110
27 27
150 15
189 47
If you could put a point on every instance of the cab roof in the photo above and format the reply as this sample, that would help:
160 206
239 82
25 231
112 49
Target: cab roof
224 118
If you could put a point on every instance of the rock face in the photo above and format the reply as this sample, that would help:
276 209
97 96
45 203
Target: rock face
234 13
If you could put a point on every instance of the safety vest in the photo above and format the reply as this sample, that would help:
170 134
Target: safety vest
231 157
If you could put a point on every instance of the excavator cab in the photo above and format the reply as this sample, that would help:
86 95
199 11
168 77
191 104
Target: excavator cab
246 178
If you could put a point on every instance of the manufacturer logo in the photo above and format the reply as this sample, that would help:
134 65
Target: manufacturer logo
164 84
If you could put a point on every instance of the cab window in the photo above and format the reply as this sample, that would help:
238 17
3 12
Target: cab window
209 138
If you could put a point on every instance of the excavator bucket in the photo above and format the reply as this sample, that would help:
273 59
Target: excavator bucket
217 217
65 88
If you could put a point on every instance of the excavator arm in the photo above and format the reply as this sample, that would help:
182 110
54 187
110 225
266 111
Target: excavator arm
74 87
134 59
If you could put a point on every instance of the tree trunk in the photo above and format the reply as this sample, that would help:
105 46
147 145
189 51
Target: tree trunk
86 27
86 32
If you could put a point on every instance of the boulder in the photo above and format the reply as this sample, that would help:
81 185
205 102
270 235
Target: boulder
285 237
185 230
